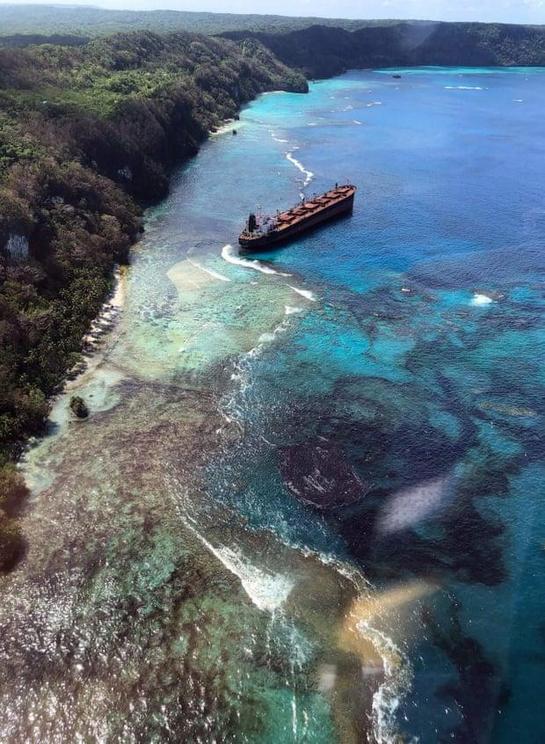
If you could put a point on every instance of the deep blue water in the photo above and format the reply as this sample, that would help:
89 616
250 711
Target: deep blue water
418 370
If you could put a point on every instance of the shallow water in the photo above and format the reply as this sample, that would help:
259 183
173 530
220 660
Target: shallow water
308 503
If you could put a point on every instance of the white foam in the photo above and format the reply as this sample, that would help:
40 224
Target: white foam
374 103
355 121
278 139
518 100
387 698
479 300
211 272
290 310
463 87
267 338
228 254
268 591
309 175
226 127
304 293
397 670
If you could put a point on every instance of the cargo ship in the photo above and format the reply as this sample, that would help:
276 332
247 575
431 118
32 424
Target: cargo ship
262 232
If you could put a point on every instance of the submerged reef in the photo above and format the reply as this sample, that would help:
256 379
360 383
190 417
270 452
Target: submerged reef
475 672
318 475
419 437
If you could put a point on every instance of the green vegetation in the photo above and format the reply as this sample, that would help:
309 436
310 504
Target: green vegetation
90 21
87 134
320 51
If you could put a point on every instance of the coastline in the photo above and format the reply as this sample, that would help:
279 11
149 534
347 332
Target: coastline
200 428
77 196
98 328
196 426
165 546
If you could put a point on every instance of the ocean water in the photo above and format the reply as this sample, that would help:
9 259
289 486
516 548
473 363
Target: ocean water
309 503
419 368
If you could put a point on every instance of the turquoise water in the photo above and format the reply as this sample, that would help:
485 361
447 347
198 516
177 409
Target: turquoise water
308 504
419 367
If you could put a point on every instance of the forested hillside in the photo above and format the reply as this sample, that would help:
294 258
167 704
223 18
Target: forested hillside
320 51
87 134
93 21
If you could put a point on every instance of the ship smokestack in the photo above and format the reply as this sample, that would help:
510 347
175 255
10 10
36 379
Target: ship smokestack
252 223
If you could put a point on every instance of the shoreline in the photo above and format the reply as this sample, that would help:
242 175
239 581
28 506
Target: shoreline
289 584
103 155
99 326
315 566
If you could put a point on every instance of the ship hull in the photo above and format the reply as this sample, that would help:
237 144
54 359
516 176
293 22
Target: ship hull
278 237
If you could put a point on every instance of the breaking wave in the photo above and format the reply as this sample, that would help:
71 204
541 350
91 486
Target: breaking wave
479 300
228 254
278 139
304 293
309 175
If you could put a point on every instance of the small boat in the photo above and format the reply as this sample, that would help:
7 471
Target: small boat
262 232
396 77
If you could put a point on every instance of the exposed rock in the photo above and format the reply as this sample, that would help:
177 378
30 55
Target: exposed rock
79 407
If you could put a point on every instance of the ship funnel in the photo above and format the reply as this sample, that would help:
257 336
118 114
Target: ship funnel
252 223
